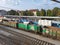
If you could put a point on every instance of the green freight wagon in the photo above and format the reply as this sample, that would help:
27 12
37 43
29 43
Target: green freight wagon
45 32
54 34
58 35
9 24
49 32
33 28
22 26
13 24
6 23
40 29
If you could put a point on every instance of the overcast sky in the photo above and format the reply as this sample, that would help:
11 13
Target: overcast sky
28 4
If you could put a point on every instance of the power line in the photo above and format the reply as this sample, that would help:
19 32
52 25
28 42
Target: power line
56 1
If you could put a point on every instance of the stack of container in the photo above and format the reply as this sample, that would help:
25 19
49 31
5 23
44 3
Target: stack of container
44 22
56 24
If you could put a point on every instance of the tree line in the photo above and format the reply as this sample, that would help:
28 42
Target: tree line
54 12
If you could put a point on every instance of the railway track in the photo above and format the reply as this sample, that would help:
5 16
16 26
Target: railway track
4 40
22 39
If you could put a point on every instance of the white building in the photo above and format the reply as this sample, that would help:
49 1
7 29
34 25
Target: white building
34 11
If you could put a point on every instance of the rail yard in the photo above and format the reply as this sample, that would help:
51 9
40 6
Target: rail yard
27 31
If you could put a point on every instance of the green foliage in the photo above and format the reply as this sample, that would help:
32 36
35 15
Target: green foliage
38 13
49 13
12 12
43 12
58 13
28 13
55 11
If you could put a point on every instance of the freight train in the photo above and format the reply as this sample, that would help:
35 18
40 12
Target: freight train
44 30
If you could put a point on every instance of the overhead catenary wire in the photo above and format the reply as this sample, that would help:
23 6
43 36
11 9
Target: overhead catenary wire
56 1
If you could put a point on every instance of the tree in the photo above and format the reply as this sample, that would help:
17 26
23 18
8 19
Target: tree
43 12
38 13
28 13
25 13
55 11
58 14
12 12
21 12
49 12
